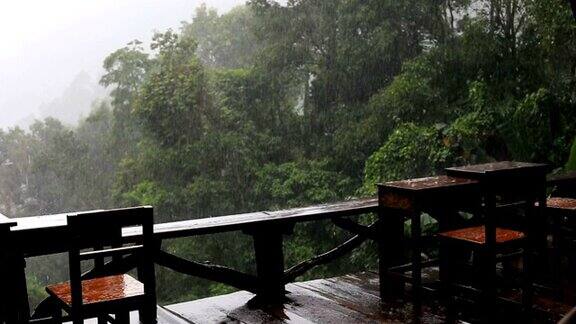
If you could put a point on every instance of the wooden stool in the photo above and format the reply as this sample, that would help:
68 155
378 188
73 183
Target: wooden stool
502 183
562 213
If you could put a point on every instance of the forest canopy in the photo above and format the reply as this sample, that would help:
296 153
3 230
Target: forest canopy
271 106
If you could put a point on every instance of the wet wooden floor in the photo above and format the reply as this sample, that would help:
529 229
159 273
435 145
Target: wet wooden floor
340 300
346 299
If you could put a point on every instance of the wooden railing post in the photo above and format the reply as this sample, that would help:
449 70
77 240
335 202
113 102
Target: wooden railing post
14 306
4 232
269 253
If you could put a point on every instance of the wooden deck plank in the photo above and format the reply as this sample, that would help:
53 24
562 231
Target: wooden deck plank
232 308
353 294
208 310
359 306
164 317
320 309
366 281
167 317
361 293
303 306
347 295
345 299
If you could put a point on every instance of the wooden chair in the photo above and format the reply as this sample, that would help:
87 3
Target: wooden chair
116 294
562 214
487 242
521 185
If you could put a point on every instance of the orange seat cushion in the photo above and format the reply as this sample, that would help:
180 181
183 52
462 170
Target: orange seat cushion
477 235
100 290
561 203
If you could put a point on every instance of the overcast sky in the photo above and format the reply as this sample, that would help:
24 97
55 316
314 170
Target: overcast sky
44 44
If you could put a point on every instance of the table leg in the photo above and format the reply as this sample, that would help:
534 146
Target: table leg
390 252
416 232
14 294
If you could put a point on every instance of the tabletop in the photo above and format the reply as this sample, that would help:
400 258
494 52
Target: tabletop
498 168
429 183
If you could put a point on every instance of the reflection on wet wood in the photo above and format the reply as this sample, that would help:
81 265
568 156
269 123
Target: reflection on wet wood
431 192
393 200
502 166
477 235
100 289
561 203
345 299
430 183
38 225
242 221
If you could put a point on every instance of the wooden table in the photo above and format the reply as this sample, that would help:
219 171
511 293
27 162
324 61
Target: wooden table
441 196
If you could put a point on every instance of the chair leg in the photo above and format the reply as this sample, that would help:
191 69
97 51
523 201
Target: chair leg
102 320
148 314
527 289
488 287
446 282
122 318
416 267
57 315
558 257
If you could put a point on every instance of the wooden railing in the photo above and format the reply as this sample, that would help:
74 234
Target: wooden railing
267 229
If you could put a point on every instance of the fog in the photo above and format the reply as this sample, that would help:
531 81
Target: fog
46 45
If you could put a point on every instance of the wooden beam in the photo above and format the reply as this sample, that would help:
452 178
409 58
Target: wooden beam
211 272
344 248
355 228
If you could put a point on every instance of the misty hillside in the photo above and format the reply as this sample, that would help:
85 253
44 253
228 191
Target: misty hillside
76 100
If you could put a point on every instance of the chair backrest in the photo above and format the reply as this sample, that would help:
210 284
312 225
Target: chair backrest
101 231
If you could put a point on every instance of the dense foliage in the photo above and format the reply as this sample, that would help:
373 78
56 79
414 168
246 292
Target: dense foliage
271 106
